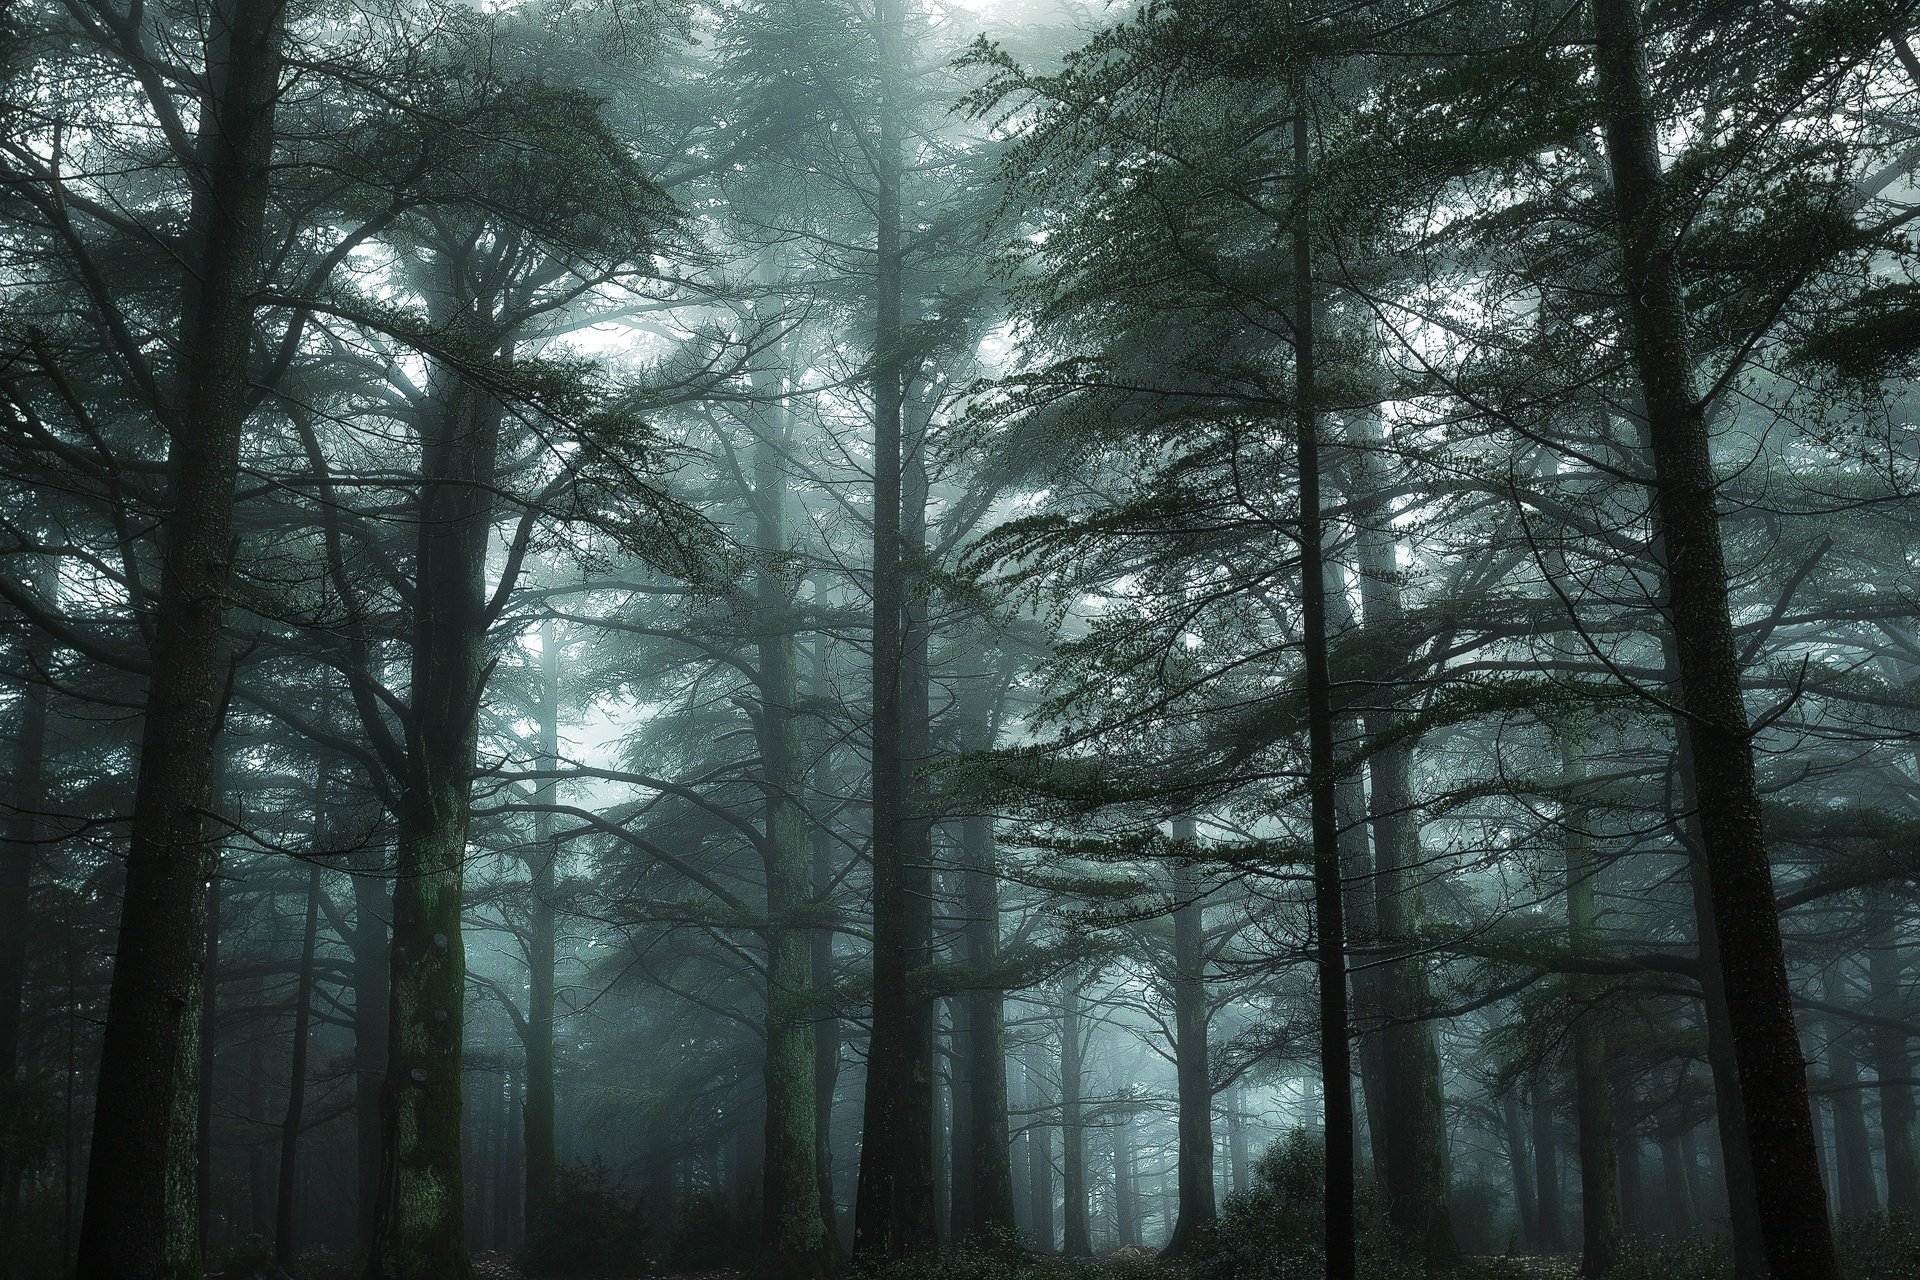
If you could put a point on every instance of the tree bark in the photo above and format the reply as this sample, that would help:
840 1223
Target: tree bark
372 907
420 1228
1893 1065
894 1212
537 1115
1793 1216
1519 1161
1546 1164
285 1248
1593 1100
19 849
794 1242
1852 1150
1076 1238
148 1044
1330 960
1409 1116
989 1163
1193 1076
1039 1163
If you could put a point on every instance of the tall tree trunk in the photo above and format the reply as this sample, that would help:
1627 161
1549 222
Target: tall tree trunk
1126 1203
148 1044
419 1232
1793 1217
1193 1077
826 1026
1892 1058
1410 1114
19 848
284 1243
1519 1161
1546 1163
372 906
1236 1140
894 1213
793 1240
1630 1183
1330 960
1039 1163
1077 1239
1852 1150
537 1117
1592 1096
989 1162
1677 1189
209 1022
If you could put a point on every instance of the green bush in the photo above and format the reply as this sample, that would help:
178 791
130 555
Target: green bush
1876 1247
712 1234
594 1227
1273 1230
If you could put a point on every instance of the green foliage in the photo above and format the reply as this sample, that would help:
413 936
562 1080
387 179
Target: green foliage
594 1226
1274 1230
1878 1247
712 1233
1006 1260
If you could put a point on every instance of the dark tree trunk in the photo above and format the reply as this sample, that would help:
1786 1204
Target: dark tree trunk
1852 1149
1039 1164
148 1043
1592 1096
894 1212
1677 1189
372 905
1520 1162
794 1242
1330 962
1793 1216
1893 1064
419 1232
826 1027
1126 1201
285 1248
1546 1164
1193 1077
1409 1116
209 1021
537 1116
1076 1237
986 1074
19 848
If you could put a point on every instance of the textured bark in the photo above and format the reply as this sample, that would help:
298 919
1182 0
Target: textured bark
285 1246
1039 1164
19 848
1520 1162
1330 959
1793 1217
149 1042
1193 1077
1408 1117
1546 1165
1892 1058
537 1115
826 1027
1126 1200
793 1236
894 1211
989 1163
372 907
1592 1096
1852 1150
419 1231
1076 1237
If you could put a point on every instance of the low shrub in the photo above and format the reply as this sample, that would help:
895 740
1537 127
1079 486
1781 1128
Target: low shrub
1274 1229
594 1227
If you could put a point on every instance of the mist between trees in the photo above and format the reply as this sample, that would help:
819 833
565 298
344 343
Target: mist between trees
959 638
